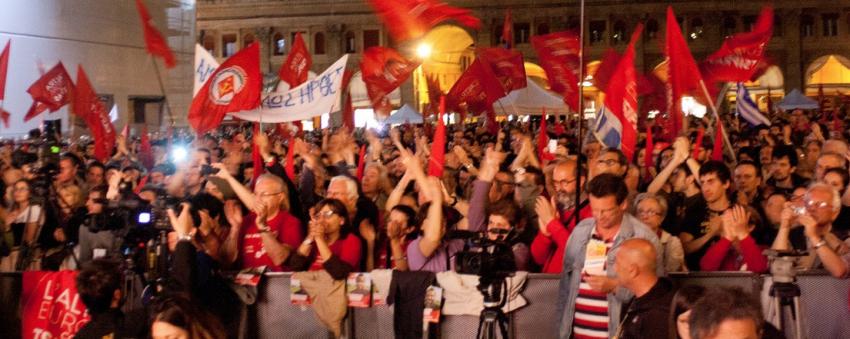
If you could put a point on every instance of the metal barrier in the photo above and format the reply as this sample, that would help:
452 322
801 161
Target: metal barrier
824 303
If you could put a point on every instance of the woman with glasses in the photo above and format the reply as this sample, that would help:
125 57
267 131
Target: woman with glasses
24 219
330 245
651 209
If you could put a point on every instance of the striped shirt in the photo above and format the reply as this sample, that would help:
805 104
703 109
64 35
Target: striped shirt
591 315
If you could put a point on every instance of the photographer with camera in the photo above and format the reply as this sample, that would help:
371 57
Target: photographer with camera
815 213
101 234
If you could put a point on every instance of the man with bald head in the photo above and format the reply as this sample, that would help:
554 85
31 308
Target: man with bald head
555 216
646 315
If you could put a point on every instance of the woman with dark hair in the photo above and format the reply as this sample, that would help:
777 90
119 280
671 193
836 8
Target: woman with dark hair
178 317
680 311
329 244
24 220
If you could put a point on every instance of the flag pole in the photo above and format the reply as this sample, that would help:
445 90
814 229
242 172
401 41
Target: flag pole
162 89
717 116
580 134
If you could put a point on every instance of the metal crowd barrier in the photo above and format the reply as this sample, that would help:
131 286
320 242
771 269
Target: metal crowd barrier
824 303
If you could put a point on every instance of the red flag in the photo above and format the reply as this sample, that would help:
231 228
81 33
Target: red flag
88 107
5 115
383 70
155 43
650 148
476 90
145 150
621 96
738 57
559 57
698 143
297 65
411 19
290 159
493 126
54 89
256 157
348 114
36 108
233 87
361 162
506 65
717 150
434 94
543 140
684 76
438 146
50 305
4 67
507 30
606 69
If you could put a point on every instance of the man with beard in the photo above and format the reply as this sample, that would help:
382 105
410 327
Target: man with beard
784 178
553 214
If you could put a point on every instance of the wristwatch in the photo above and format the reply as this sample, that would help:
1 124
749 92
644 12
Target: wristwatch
820 244
184 237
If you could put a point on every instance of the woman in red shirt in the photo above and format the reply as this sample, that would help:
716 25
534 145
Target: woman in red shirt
736 250
329 244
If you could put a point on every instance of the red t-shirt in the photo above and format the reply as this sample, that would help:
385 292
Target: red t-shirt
285 227
346 249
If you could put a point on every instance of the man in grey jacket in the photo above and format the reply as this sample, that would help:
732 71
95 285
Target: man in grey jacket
589 301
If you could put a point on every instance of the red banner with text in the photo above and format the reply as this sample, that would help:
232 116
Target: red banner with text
50 305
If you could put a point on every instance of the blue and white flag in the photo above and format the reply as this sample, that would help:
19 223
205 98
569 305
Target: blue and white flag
748 109
607 128
205 64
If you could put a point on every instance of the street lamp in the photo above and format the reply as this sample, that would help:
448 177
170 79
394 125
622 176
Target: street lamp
423 51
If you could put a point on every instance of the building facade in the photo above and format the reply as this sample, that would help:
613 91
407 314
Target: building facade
807 34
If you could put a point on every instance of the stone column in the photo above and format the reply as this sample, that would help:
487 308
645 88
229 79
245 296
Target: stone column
263 36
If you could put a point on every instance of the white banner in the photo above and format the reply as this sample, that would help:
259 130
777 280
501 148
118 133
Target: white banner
205 65
311 99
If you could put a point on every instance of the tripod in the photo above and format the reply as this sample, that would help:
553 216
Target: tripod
787 294
495 292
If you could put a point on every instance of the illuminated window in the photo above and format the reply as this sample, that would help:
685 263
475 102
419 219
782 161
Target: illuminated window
278 44
696 29
619 32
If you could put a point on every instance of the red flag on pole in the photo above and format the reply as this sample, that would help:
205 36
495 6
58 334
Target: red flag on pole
621 96
717 150
438 146
155 43
4 67
507 30
411 19
684 76
37 107
233 87
559 58
88 107
383 70
54 89
698 143
543 140
477 88
738 57
506 65
295 69
361 162
145 150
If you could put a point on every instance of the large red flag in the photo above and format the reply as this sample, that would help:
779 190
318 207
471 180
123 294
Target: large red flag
154 41
610 60
476 90
621 96
88 107
438 146
54 89
383 70
233 87
37 107
411 19
145 150
506 65
559 57
297 65
684 76
4 67
738 57
507 30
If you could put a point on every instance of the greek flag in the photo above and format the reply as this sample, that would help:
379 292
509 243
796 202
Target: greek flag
748 109
607 128
205 65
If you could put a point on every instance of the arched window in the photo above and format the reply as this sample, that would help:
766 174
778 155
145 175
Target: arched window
696 29
542 28
319 43
247 39
619 34
730 25
208 42
350 42
278 43
651 29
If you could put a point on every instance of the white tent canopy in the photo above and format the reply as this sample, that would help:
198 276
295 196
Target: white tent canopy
530 101
405 114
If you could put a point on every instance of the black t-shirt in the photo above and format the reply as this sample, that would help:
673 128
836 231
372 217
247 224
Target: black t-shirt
677 204
696 223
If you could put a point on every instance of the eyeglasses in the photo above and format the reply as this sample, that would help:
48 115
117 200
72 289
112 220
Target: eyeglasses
811 204
608 162
564 182
22 189
323 215
649 213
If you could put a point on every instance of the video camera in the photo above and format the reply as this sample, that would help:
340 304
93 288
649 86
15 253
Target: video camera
484 257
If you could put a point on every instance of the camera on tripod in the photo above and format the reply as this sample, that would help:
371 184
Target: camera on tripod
782 264
484 257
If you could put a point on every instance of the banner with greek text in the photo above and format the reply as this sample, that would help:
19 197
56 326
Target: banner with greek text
51 306
313 98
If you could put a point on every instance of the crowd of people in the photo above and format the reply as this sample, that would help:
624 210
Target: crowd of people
610 226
